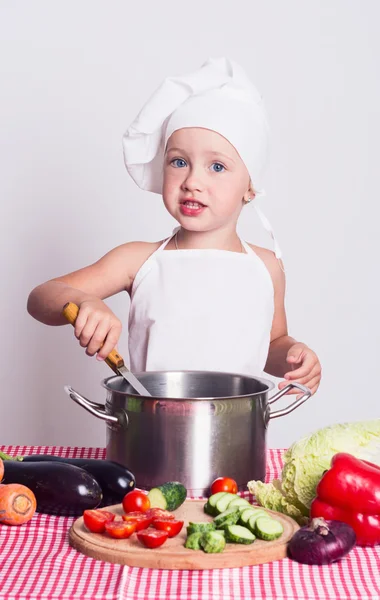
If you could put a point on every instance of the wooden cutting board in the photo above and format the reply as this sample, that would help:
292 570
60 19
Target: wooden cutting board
173 554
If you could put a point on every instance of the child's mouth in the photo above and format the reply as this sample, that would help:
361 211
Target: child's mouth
191 208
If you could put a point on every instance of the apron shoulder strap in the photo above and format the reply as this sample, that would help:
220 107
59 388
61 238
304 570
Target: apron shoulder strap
247 247
165 242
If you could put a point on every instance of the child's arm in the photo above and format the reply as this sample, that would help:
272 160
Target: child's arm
87 288
280 341
286 357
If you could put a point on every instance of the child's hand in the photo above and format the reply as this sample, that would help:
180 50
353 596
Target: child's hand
97 327
305 368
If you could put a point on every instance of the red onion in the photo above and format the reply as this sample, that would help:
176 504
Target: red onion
322 542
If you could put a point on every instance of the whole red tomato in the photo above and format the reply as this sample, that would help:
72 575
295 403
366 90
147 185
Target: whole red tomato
224 484
136 500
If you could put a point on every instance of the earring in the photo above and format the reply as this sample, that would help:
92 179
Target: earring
248 200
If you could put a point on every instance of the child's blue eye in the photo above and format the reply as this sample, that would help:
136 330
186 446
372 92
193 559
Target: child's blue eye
179 163
219 168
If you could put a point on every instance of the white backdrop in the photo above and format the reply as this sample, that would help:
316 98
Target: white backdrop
73 75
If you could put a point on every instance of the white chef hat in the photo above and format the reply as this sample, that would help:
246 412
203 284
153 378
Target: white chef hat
219 96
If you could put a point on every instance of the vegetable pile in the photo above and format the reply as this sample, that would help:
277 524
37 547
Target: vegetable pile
149 516
306 460
235 521
153 525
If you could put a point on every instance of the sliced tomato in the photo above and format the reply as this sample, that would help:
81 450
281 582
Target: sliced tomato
142 521
224 484
95 519
171 526
152 538
120 529
159 513
136 500
137 513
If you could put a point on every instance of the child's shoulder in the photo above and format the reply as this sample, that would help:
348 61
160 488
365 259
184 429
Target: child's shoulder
142 248
264 253
126 259
136 253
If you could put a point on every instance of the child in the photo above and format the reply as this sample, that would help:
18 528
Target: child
203 299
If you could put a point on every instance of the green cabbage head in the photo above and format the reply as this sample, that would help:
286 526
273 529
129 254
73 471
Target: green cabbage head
306 460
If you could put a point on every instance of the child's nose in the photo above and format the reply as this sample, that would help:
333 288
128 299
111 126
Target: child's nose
193 181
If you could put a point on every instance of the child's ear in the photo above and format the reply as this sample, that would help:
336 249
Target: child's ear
249 195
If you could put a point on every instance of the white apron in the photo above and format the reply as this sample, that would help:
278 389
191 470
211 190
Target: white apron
207 310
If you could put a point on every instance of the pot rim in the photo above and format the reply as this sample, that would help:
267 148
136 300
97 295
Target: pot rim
270 385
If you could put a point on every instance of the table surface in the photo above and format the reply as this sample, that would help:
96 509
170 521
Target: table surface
36 562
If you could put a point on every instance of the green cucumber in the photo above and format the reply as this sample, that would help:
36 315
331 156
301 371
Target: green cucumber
239 535
209 507
213 542
193 541
215 497
228 517
223 502
267 528
252 519
209 510
239 502
245 515
200 527
168 496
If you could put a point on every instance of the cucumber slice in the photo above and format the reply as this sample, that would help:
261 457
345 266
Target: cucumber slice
239 535
200 527
209 507
223 502
209 510
267 528
193 541
215 497
213 542
245 515
228 517
240 502
168 496
252 519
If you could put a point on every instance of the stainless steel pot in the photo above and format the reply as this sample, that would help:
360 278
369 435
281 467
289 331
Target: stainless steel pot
196 426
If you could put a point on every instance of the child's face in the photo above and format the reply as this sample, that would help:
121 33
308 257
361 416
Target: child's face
205 180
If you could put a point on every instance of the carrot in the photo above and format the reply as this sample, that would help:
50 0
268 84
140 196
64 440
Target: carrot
17 504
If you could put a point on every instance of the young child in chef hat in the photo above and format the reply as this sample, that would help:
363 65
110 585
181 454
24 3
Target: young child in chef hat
203 299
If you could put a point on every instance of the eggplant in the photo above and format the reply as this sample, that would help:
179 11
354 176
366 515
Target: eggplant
60 489
114 479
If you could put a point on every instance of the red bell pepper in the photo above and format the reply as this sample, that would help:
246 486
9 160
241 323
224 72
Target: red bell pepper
350 492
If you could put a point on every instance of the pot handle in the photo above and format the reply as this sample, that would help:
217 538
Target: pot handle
98 410
288 409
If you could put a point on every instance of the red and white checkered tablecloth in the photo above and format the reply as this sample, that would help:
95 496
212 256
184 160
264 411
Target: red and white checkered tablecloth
36 562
